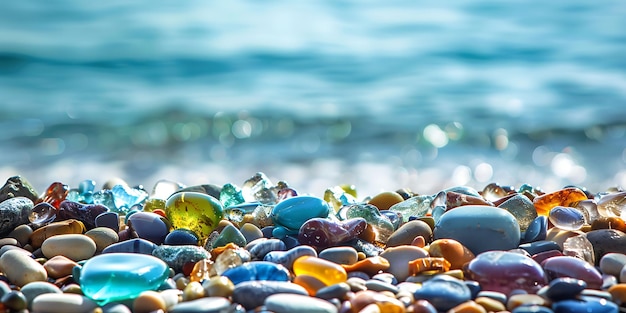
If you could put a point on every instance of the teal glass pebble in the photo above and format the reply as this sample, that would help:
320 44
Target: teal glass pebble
381 223
229 234
289 214
125 197
104 197
231 195
121 276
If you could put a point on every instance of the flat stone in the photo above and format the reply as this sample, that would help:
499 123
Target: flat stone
586 305
136 245
339 255
63 303
74 246
565 288
289 303
21 269
33 289
567 266
202 305
252 294
56 228
398 258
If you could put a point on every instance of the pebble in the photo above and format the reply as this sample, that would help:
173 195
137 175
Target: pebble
337 291
70 226
103 237
136 245
260 270
565 288
33 289
14 212
537 230
286 258
340 255
408 231
108 219
482 222
289 303
149 301
612 263
443 292
149 226
328 272
63 303
289 214
177 256
202 305
59 266
250 232
22 234
451 250
121 276
195 211
567 266
252 294
18 186
73 246
399 257
21 269
606 241
522 208
218 286
586 305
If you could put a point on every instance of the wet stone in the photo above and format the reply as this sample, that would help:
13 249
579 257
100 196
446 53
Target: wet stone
567 266
607 240
566 218
563 197
177 256
13 212
407 232
537 230
252 294
322 232
522 208
136 245
108 219
482 222
149 226
451 250
120 276
327 272
42 214
81 212
586 305
202 305
443 292
260 270
197 212
340 255
17 186
565 288
540 246
415 206
286 258
289 214
288 303
181 237
504 272
261 247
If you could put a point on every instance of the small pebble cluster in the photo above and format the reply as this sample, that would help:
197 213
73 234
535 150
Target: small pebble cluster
266 247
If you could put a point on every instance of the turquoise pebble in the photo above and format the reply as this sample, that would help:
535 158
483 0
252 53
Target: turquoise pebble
292 212
230 234
136 245
260 270
565 288
443 292
120 276
491 228
125 197
252 294
585 305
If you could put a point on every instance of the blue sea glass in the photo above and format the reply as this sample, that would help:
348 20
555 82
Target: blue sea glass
120 276
104 197
260 270
289 214
125 197
231 195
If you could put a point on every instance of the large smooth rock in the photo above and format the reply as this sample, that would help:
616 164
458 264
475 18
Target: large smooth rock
17 186
14 212
21 269
63 303
479 228
288 303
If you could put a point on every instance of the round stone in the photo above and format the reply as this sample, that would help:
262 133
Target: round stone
504 272
32 290
289 303
451 250
399 257
566 218
292 212
491 228
443 292
59 266
340 255
612 263
385 199
73 246
195 211
408 231
63 303
21 269
565 288
181 237
149 301
149 226
607 240
567 266
103 237
252 294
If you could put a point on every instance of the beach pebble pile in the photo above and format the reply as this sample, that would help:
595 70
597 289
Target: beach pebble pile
265 247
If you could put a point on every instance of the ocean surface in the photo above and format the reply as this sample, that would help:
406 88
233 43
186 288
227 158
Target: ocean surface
379 94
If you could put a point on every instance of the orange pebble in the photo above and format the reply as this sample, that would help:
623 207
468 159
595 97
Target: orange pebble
310 283
565 197
201 270
217 251
371 265
468 307
328 272
384 200
385 303
453 251
618 292
491 305
428 264
524 299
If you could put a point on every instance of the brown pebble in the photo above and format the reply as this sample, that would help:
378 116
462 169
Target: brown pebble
524 299
618 292
72 288
468 307
491 305
451 250
193 291
406 233
59 266
21 234
57 228
371 265
218 286
148 301
384 200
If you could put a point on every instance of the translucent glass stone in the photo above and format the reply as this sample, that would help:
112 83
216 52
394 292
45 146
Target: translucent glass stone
613 204
55 194
566 218
120 276
494 191
225 261
195 211
43 213
564 197
260 270
438 206
259 188
104 197
381 223
338 197
580 247
236 213
416 206
231 195
125 197
522 208
328 272
589 209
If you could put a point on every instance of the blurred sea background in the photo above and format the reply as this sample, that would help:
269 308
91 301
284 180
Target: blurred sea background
379 94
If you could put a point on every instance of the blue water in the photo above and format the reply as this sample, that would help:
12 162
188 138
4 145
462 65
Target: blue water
382 95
